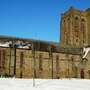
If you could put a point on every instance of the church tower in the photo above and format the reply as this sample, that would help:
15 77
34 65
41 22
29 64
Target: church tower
75 28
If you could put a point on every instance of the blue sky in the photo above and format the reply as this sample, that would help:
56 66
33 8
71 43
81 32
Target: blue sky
36 19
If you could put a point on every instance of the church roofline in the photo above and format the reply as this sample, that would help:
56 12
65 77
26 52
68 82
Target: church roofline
72 9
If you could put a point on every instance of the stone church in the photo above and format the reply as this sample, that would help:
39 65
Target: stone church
70 58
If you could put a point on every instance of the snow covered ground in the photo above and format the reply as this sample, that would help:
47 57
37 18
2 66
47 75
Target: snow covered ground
42 84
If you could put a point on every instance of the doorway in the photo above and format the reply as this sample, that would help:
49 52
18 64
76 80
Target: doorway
82 73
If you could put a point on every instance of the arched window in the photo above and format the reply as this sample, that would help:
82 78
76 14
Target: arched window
76 24
64 32
83 29
82 24
76 18
76 29
82 20
68 29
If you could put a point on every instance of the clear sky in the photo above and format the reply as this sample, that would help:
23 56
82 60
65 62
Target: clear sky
36 19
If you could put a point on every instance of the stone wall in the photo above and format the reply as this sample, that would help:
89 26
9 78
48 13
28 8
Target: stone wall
57 65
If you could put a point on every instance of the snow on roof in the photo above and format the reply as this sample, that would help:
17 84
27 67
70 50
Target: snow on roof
4 44
23 47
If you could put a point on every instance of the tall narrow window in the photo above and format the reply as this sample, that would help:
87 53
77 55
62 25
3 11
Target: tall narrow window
76 29
63 32
76 22
40 62
83 30
68 31
21 63
0 58
3 59
64 35
57 65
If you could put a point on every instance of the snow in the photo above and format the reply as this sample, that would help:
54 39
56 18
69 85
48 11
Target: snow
19 44
4 45
86 50
44 84
27 47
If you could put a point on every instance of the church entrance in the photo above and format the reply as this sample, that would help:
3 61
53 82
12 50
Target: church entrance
82 73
